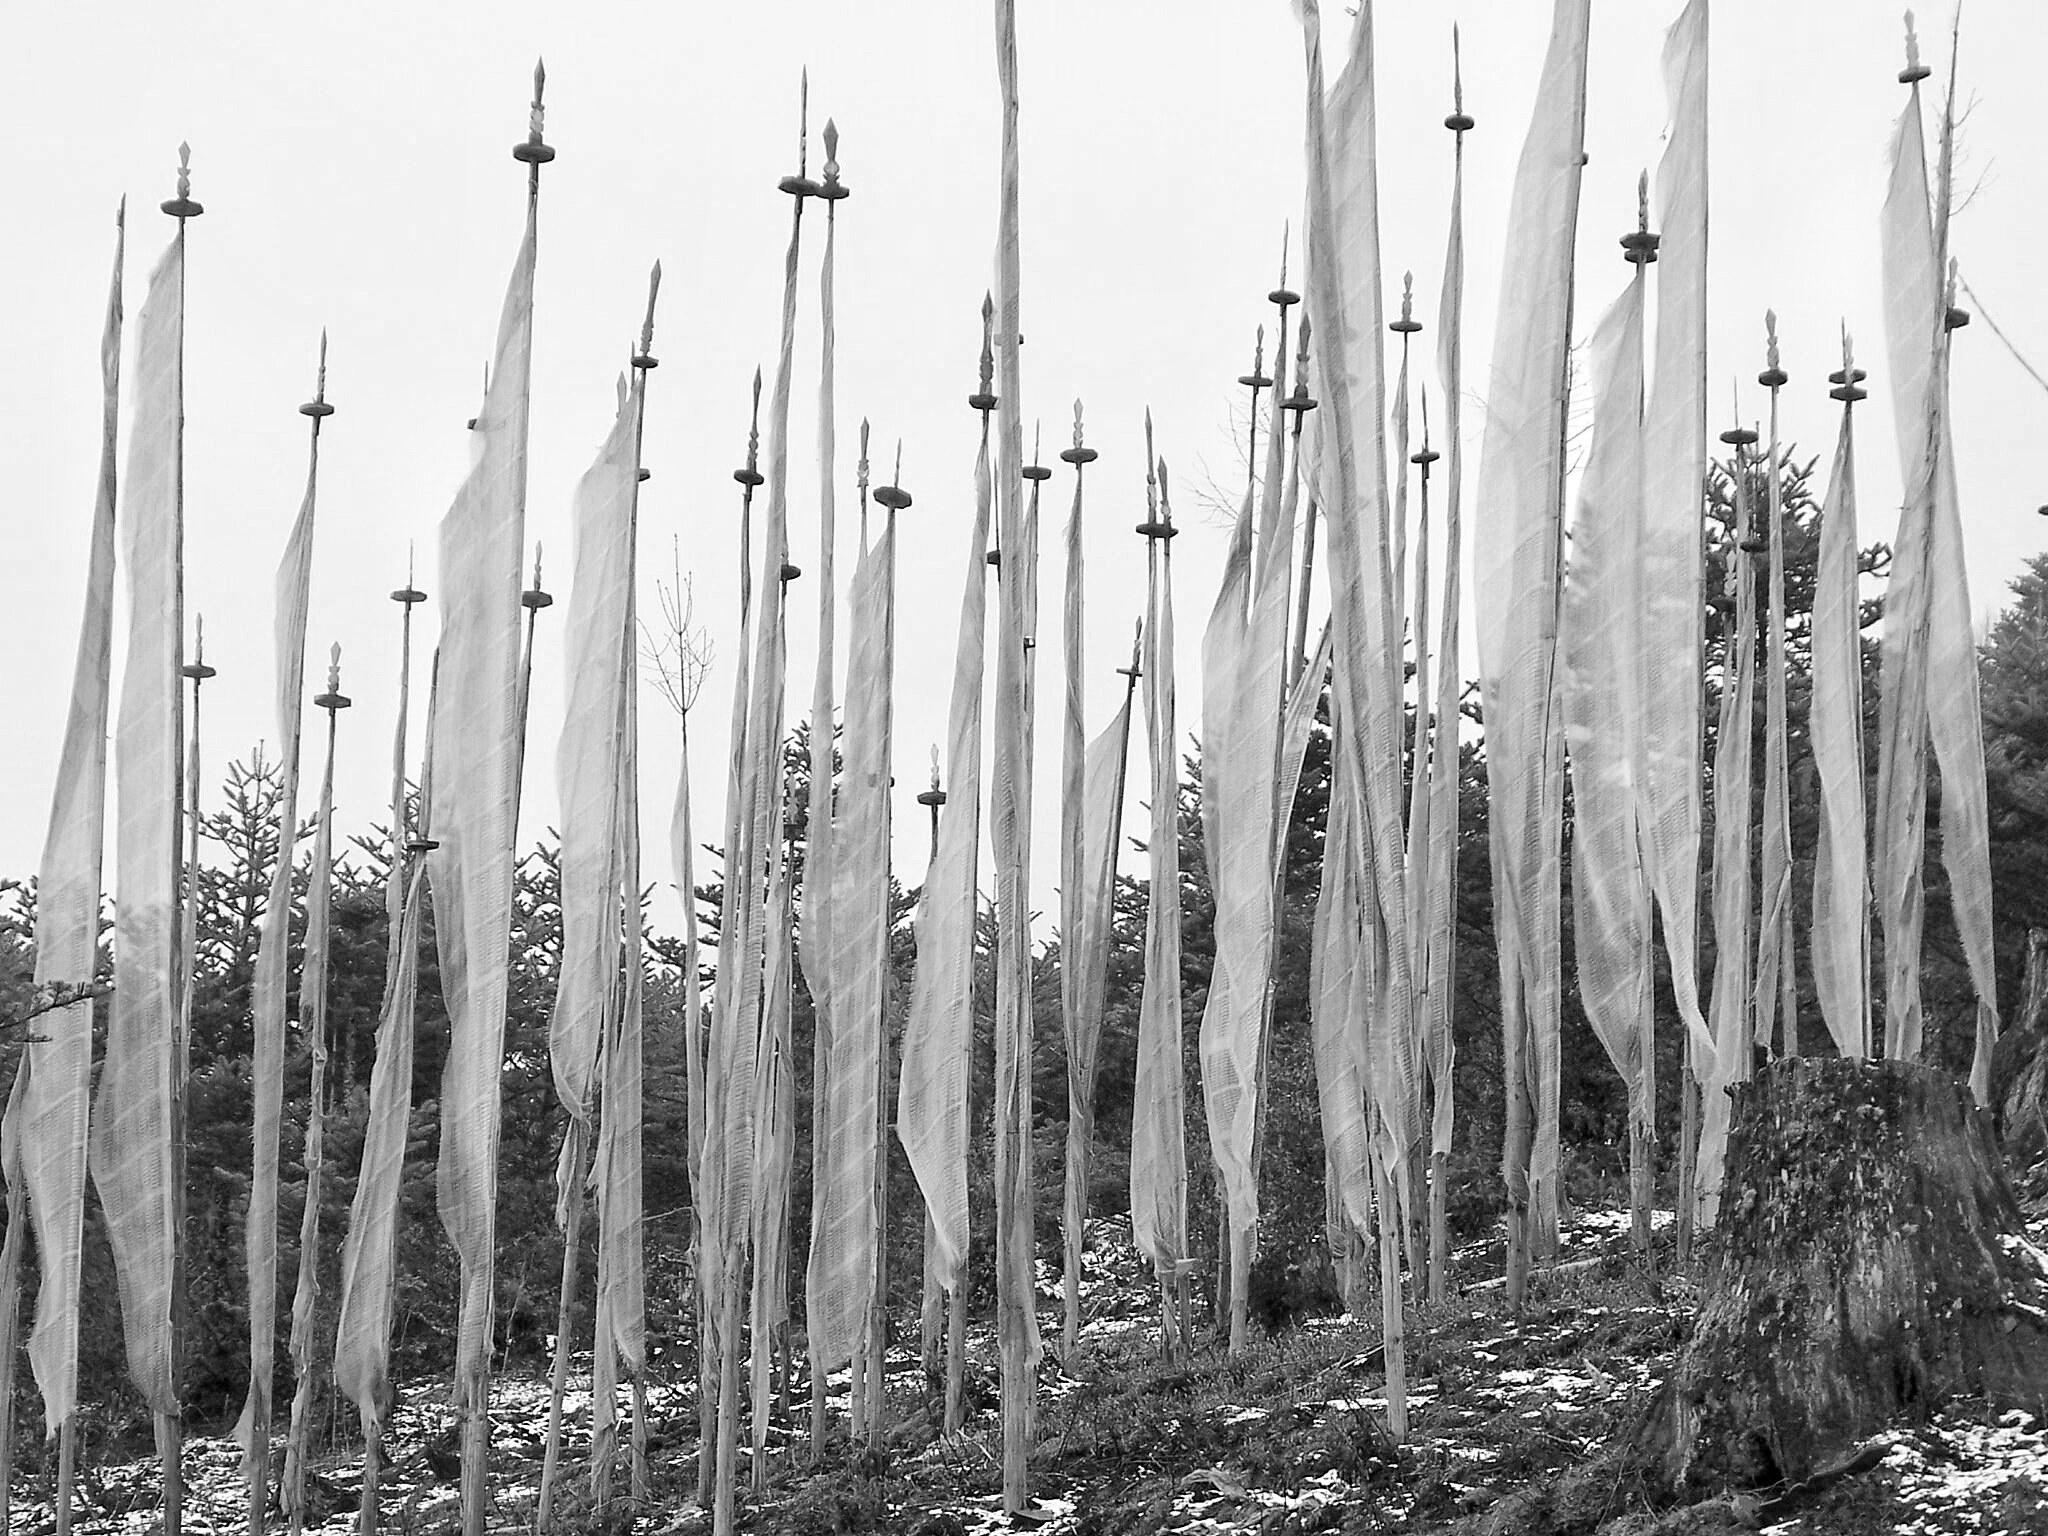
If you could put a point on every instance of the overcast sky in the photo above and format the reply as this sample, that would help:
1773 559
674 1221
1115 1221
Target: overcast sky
354 163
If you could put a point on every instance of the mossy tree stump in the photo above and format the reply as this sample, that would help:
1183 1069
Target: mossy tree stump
2019 1067
1870 1263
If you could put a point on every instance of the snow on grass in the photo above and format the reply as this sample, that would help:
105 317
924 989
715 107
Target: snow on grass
1953 1473
1956 1476
1610 1222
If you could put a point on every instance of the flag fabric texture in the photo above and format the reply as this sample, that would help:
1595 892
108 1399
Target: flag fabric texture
313 1030
841 1278
600 655
931 1090
1365 602
1840 928
48 1110
1516 569
1673 565
1928 678
1734 975
476 741
294 588
1159 1190
1604 709
131 1131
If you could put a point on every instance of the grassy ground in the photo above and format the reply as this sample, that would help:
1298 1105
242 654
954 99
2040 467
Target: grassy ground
1519 1425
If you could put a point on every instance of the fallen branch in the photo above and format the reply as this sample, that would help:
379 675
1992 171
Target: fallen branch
1863 1459
1575 1266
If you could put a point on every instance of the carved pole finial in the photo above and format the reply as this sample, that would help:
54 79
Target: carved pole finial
1847 383
533 151
1151 473
1773 376
1460 121
196 668
1639 246
1079 454
645 359
892 495
317 408
832 189
536 597
984 397
1407 325
1299 403
800 186
1915 71
1283 296
333 700
181 207
861 469
751 475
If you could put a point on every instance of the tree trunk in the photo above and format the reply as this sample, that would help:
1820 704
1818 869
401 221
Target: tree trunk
2019 1067
1870 1264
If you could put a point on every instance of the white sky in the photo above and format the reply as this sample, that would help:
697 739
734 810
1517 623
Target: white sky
354 164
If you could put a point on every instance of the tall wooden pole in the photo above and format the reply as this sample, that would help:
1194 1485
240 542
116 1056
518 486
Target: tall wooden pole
170 1433
1451 363
406 597
894 499
931 1318
1639 249
749 477
533 153
313 1024
1777 778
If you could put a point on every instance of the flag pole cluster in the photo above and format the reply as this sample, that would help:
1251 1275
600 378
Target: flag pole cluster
1592 608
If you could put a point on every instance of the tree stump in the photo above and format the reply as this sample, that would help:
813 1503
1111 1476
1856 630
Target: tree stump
1870 1264
2019 1067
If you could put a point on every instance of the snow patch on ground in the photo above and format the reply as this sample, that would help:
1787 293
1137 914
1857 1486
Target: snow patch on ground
1954 1474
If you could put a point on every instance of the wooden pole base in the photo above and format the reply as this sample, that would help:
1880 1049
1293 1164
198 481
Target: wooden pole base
67 1472
170 1450
373 1458
956 1359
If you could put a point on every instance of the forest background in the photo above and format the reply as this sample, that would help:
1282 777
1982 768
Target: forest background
1293 1273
